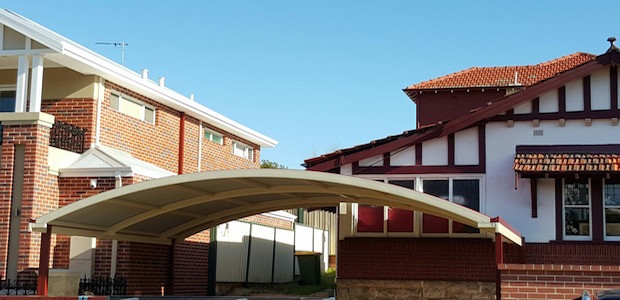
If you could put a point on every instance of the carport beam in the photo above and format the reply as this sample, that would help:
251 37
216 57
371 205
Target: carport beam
44 261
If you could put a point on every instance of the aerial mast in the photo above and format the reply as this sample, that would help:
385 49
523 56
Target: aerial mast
121 45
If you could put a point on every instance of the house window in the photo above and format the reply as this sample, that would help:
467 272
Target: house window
465 192
214 137
243 150
132 107
7 99
612 210
383 219
576 211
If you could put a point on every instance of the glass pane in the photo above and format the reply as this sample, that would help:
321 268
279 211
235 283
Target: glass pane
399 220
576 194
410 184
612 194
369 218
149 115
466 192
133 109
114 101
7 101
612 219
577 221
437 188
216 138
432 224
238 149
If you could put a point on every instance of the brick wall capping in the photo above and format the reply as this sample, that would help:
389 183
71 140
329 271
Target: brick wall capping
559 267
27 118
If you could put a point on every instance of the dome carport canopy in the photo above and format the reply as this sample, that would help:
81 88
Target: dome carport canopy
172 208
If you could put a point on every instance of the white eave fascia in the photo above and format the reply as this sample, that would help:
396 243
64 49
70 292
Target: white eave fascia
129 79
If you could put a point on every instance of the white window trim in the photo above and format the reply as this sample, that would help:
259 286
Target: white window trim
206 130
248 153
418 216
577 237
605 236
122 96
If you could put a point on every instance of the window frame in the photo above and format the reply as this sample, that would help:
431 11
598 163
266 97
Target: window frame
248 152
386 233
605 236
577 237
123 97
417 215
10 88
212 133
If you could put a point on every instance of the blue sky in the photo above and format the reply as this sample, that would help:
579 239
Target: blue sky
323 75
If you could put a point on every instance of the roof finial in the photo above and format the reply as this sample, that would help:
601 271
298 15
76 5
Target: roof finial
612 47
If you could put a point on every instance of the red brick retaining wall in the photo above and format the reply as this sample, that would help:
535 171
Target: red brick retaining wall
417 259
536 281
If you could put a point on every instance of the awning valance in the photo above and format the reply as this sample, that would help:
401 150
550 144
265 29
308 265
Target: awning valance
567 159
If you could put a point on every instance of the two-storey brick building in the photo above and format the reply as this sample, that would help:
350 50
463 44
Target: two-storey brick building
74 124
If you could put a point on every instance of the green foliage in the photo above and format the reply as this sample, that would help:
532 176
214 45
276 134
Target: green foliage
267 164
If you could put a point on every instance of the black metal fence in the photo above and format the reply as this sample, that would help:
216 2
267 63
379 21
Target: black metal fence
16 287
68 137
103 286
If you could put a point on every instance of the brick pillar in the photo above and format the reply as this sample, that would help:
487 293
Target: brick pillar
39 189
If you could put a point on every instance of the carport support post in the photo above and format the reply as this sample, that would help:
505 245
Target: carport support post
44 261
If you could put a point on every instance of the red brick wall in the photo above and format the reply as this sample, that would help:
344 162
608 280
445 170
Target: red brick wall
191 265
146 267
533 281
40 189
161 148
572 253
75 111
416 259
220 157
268 221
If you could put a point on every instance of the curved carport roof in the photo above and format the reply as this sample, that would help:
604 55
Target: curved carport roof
175 207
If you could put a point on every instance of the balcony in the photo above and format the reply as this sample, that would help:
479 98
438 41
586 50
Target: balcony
67 137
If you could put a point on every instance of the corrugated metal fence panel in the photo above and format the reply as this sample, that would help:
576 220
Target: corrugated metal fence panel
325 253
232 251
283 269
303 238
261 254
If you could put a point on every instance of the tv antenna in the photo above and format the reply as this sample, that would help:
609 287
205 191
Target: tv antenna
121 45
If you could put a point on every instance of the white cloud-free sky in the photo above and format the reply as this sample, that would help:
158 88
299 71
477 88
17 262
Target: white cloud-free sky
323 75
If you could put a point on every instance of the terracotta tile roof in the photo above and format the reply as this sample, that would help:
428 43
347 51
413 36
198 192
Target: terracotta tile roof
505 76
551 159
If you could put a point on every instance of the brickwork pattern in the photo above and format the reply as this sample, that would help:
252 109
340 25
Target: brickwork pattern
126 133
220 157
191 265
146 267
268 221
40 190
76 111
417 259
536 281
